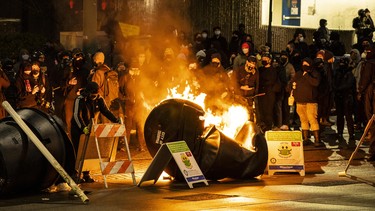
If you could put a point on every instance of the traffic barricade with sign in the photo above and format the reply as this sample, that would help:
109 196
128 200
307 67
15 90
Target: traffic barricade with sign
285 152
111 130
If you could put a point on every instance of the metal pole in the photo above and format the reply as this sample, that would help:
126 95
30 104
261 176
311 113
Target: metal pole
90 20
269 34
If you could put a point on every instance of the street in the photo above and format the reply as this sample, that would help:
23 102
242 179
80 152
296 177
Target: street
320 189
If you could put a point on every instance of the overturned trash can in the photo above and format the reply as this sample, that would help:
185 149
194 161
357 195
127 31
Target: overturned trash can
22 165
217 155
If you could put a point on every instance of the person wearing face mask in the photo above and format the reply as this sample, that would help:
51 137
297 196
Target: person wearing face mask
269 84
241 58
88 105
325 99
75 79
26 88
133 84
299 43
214 81
223 43
246 78
205 39
24 57
305 92
344 90
367 96
103 75
356 64
234 44
44 93
286 73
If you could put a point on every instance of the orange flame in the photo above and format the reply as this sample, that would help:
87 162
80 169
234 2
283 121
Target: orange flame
229 122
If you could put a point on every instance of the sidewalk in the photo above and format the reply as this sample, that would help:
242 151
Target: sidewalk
320 189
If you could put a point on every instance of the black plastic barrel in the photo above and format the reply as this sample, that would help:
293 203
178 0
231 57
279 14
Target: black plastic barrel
217 155
22 166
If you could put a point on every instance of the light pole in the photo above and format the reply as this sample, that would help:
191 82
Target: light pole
90 19
269 34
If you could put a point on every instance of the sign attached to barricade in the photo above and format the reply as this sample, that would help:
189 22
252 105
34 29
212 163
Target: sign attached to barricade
184 158
285 152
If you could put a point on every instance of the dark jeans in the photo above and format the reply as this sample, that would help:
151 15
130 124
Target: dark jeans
344 108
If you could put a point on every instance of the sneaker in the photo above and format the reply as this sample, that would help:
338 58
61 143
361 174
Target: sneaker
284 127
63 187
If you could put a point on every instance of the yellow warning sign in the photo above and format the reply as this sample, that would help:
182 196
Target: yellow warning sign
129 30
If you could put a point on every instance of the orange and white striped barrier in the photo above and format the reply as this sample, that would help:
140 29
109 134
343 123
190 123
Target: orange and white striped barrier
117 167
111 130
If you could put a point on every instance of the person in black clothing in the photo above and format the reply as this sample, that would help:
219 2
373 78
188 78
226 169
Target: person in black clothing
223 43
305 92
268 84
87 106
75 78
324 32
294 56
367 95
344 89
336 47
247 81
300 44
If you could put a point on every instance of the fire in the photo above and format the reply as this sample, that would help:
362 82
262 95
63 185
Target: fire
229 122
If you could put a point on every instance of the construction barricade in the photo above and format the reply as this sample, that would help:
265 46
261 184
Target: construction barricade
106 137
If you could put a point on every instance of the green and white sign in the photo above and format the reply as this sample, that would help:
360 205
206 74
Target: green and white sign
285 152
185 160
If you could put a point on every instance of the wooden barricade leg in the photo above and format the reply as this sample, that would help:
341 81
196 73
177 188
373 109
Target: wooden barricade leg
117 166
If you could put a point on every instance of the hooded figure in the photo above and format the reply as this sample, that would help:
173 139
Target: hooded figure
305 92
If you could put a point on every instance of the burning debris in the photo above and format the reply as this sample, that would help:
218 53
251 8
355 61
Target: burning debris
225 145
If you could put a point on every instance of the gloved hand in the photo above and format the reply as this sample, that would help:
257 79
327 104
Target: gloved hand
86 130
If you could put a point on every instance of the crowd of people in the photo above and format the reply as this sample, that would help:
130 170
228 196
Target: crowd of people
298 88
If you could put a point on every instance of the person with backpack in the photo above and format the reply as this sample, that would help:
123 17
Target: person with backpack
107 79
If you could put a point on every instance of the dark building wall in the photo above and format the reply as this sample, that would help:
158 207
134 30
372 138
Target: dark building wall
206 14
49 17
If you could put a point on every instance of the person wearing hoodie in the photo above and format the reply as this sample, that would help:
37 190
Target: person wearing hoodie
344 92
367 95
24 57
355 64
86 106
305 92
223 43
241 58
